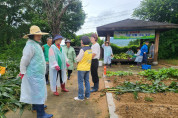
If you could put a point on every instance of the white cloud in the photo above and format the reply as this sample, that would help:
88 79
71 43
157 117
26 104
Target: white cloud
100 12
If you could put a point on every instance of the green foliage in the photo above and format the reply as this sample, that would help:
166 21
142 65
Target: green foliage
118 73
122 56
158 10
135 93
161 74
9 96
162 11
134 42
155 87
148 99
168 46
117 50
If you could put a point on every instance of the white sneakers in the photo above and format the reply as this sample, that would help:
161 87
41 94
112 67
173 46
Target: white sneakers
77 99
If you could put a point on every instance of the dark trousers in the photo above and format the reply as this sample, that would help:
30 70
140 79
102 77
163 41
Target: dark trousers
59 73
46 76
145 58
94 71
47 73
69 73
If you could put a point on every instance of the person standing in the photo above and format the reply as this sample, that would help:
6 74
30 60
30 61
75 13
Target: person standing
152 48
139 58
32 72
70 53
84 63
94 64
144 51
46 51
107 53
58 64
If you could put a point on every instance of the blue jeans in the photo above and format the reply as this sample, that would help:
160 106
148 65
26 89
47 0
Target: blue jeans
83 76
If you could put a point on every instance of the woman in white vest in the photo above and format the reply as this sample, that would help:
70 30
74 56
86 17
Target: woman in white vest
32 72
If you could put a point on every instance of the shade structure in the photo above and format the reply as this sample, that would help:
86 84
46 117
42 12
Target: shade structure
132 24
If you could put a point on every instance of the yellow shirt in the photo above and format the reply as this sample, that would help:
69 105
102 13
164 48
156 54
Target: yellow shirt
85 63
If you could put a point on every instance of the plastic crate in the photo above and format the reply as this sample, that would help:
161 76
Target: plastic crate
146 67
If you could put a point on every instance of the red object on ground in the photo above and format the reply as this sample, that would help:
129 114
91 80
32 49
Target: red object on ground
104 70
57 68
63 88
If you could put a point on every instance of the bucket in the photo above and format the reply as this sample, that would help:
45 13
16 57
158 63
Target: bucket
100 63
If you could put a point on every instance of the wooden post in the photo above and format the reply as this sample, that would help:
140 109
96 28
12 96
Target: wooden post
156 48
108 37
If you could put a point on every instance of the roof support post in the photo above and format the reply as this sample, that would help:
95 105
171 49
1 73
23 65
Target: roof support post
156 48
108 37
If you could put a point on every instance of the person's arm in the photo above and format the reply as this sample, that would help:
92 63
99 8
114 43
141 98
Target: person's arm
80 55
28 53
132 52
93 55
138 53
52 60
74 56
43 48
94 51
103 45
111 51
127 52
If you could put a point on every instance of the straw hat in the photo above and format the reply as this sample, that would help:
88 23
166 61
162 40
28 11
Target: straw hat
35 30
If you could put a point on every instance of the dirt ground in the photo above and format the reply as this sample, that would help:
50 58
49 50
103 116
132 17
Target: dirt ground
64 106
134 68
164 105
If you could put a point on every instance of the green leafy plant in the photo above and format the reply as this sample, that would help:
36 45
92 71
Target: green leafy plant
155 87
135 95
148 99
161 74
122 56
9 96
118 73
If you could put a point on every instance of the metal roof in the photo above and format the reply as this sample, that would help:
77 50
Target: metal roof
133 24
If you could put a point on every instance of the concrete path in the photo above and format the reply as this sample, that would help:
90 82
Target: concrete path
64 106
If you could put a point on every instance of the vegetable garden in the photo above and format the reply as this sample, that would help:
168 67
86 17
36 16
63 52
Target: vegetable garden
151 92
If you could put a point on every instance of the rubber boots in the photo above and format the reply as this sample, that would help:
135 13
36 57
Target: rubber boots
56 93
34 108
40 111
95 88
63 88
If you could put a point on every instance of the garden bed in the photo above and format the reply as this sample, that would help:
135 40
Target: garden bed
144 105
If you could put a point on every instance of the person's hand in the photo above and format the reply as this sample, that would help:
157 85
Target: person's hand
67 64
144 52
21 75
57 68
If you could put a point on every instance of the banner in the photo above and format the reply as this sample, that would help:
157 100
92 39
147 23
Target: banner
135 34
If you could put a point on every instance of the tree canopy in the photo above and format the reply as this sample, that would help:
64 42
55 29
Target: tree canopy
162 11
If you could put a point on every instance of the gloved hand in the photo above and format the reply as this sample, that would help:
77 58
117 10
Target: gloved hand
21 75
57 68
67 64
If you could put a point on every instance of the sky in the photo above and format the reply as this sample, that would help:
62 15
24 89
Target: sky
101 12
